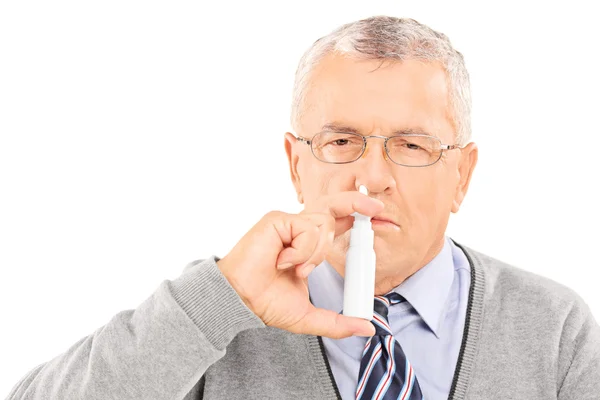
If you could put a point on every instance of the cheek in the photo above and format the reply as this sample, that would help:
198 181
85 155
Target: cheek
443 195
427 194
317 179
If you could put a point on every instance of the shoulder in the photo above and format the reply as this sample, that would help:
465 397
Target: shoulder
505 282
535 317
528 304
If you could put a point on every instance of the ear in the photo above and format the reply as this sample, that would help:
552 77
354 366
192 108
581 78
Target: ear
289 142
466 166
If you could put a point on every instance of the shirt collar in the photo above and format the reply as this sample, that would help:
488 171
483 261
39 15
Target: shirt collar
426 290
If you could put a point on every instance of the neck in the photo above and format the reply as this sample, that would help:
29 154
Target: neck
388 276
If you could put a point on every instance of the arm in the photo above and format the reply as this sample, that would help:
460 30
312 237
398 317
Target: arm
158 351
580 356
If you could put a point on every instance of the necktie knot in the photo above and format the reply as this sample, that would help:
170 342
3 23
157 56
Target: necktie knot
380 312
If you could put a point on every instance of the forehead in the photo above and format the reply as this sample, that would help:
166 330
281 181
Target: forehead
370 96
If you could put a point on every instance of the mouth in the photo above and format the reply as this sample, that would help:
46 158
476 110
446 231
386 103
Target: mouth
384 222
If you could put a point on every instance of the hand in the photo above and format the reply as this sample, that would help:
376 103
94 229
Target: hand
269 266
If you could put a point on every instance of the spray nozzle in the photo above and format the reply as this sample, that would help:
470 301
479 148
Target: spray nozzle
359 218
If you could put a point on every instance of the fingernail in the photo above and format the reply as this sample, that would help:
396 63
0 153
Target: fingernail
284 265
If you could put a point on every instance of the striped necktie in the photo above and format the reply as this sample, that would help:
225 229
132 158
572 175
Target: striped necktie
385 372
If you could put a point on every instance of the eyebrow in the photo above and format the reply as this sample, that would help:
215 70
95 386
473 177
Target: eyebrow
337 127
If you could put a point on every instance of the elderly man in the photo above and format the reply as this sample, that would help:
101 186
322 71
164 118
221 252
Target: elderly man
384 103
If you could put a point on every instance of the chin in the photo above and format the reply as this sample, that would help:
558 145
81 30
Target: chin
384 250
391 248
387 241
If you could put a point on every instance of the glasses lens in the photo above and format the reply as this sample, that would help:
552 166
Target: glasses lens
337 147
414 151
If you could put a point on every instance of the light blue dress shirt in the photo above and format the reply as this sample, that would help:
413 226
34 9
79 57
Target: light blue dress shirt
429 325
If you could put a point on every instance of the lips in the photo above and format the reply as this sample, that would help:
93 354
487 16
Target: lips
384 219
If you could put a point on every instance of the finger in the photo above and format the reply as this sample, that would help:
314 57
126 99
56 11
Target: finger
317 218
326 224
321 322
288 257
342 205
303 238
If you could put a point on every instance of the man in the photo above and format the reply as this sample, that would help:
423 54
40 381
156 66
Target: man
384 103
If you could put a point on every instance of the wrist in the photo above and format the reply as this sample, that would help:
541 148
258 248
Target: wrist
226 268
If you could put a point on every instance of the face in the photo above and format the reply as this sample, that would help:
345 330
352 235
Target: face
372 98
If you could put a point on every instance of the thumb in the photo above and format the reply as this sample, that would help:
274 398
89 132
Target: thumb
321 322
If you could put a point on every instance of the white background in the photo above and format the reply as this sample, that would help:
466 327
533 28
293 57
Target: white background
137 136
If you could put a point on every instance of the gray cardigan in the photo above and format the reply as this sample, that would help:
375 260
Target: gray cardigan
525 337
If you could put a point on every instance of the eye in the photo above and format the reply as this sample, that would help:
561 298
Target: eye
413 146
340 142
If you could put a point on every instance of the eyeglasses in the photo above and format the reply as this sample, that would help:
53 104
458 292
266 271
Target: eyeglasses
409 150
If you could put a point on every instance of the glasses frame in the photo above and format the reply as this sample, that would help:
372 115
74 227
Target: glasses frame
442 147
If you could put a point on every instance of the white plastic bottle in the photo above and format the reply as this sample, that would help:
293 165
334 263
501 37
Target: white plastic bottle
359 279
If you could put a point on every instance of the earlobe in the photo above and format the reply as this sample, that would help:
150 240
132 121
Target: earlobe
457 202
467 163
289 142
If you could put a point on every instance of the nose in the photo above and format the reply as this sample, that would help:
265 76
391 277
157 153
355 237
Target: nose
374 169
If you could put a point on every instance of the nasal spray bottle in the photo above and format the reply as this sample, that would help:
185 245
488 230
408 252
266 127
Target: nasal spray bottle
359 280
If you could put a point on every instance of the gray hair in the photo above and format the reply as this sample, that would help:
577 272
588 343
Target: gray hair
390 38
